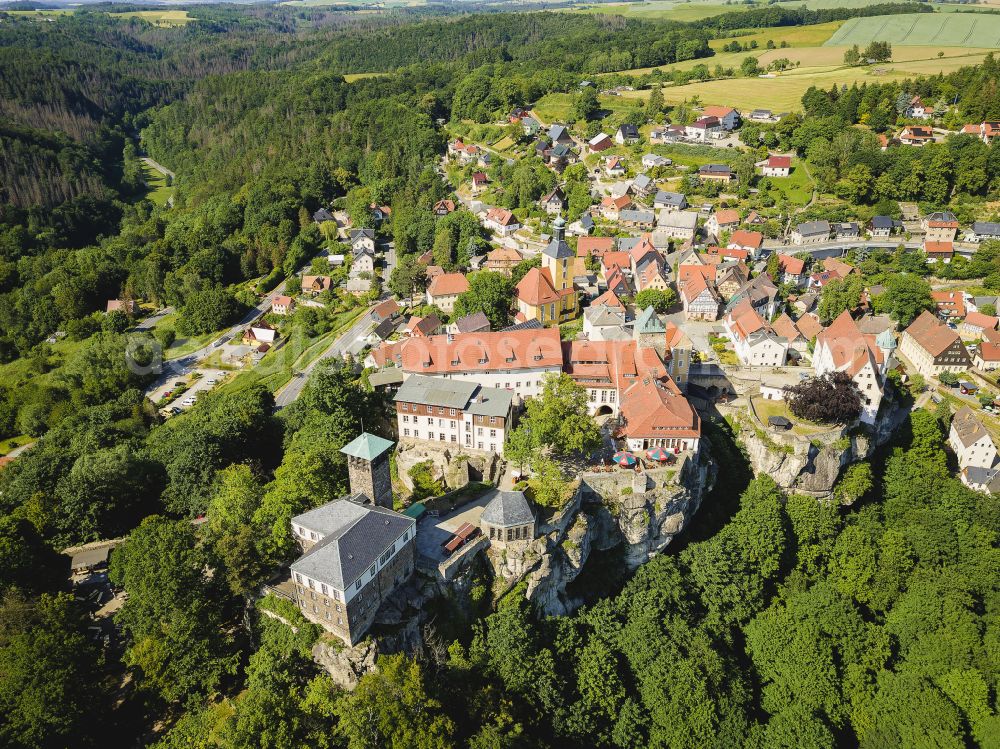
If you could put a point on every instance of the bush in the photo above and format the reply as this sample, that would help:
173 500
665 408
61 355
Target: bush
831 399
424 483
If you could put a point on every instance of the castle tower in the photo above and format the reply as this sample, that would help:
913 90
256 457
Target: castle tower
368 468
886 341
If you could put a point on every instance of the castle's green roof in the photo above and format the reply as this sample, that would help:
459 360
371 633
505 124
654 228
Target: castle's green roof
366 446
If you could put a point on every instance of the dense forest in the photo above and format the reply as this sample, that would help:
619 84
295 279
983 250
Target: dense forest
777 621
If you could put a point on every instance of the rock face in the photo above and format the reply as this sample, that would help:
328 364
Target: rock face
345 665
641 511
811 465
455 468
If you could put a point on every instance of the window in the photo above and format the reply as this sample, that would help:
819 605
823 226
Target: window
480 445
324 588
441 436
451 411
372 570
430 421
440 409
406 432
493 419
338 608
327 615
454 438
326 601
389 553
493 433
357 585
298 578
315 610
406 407
340 620
312 595
406 419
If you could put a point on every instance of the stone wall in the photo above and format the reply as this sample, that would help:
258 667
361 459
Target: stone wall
454 466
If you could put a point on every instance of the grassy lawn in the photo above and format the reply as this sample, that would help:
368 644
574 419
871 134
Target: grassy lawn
503 144
13 443
768 408
183 346
159 191
952 29
797 187
351 77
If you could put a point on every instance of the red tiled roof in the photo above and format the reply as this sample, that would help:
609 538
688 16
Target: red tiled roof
655 408
979 320
727 216
612 363
386 308
784 326
939 248
448 284
809 325
609 299
791 265
483 352
282 301
716 111
744 238
779 162
952 302
423 326
536 288
587 246
838 267
687 273
501 216
388 352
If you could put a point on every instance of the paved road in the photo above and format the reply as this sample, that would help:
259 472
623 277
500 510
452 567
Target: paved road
339 347
150 322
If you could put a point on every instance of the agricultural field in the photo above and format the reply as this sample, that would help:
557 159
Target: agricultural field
162 18
660 9
351 77
784 91
921 29
795 36
558 107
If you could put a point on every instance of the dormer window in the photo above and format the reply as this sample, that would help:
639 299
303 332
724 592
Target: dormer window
482 361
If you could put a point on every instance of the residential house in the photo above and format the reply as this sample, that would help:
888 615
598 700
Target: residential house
603 323
614 167
609 298
811 232
260 333
582 226
363 262
741 239
917 110
933 347
982 231
465 153
700 299
761 115
477 322
561 155
323 215
356 550
704 128
531 126
444 290
502 260
282 305
387 310
755 219
762 295
669 201
987 356
128 306
971 442
785 327
687 272
627 135
606 370
950 304
939 252
723 220
775 166
916 135
594 246
846 230
975 325
501 222
358 286
553 202
730 278
600 142
882 227
560 134
716 172
653 161
642 185
838 267
669 134
479 182
792 269
611 208
682 225
362 239
314 285
652 275
809 325
988 131
753 338
940 226
433 271
633 219
444 207
842 347
453 412
424 327
512 359
728 117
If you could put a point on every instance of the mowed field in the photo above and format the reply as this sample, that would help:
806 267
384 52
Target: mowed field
784 92
921 29
675 11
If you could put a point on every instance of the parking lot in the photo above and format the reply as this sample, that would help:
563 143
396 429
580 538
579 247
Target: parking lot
209 379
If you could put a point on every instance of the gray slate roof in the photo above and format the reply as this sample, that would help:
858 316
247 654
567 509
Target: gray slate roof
507 509
647 217
558 249
474 323
435 391
532 324
670 198
813 228
988 228
491 402
886 222
351 548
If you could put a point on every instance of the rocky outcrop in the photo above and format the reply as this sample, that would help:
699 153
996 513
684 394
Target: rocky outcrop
642 512
346 665
453 467
812 464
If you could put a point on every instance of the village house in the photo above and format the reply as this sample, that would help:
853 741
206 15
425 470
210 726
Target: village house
626 135
751 241
682 225
653 161
761 115
668 134
444 207
282 305
260 333
917 110
594 246
614 167
933 347
730 278
940 226
784 326
633 219
553 202
514 360
362 239
502 260
357 286
477 322
939 252
453 412
315 285
465 153
971 442
356 551
775 166
811 232
606 369
725 220
754 340
363 262
128 306
916 135
387 310
423 327
982 231
715 172
699 299
642 185
582 226
987 356
842 347
604 323
950 304
560 134
669 201
444 290
792 269
728 117
611 208
882 227
975 325
846 230
479 182
501 222
704 128
762 295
